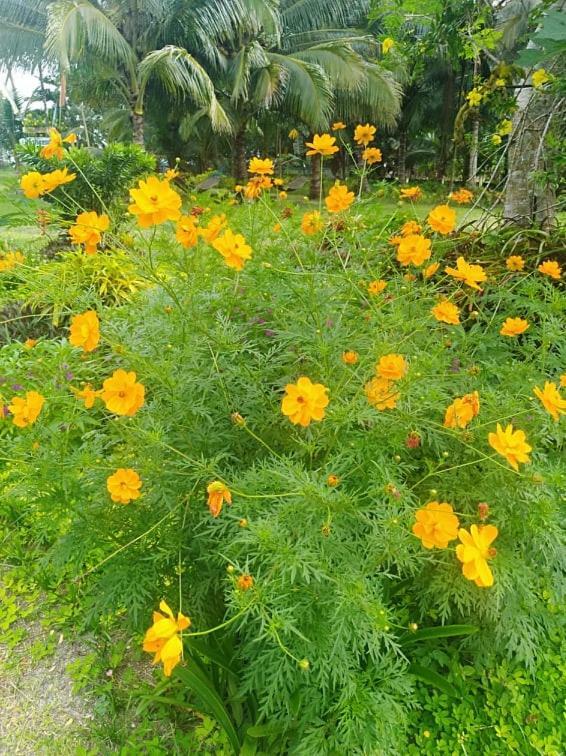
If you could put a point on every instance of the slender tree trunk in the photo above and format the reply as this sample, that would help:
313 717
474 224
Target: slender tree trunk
474 150
316 177
137 128
402 158
239 156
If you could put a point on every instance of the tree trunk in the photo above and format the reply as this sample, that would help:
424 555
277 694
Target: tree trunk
316 177
239 156
402 158
474 150
527 200
137 128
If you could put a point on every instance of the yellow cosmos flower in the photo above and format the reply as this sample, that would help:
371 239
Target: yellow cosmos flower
278 182
171 174
436 525
461 196
186 231
387 44
381 394
215 225
55 179
122 394
218 493
124 485
154 202
513 327
551 400
55 146
85 331
430 270
462 411
550 268
261 166
446 312
304 401
87 394
411 193
350 358
30 343
442 218
514 262
392 367
376 287
311 223
408 228
372 155
293 134
470 274
32 184
233 249
474 98
510 444
540 78
322 144
474 551
413 249
339 198
163 640
25 410
364 134
88 230
9 260
338 126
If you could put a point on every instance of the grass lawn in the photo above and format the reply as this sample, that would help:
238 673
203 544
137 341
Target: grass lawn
17 214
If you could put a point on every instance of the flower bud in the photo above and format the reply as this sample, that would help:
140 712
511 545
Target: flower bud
237 419
230 569
483 510
305 665
413 627
243 523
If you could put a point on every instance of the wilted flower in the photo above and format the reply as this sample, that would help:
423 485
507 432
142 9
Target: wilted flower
430 270
387 44
410 227
218 493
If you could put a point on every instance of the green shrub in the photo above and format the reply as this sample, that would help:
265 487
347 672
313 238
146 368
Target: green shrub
320 655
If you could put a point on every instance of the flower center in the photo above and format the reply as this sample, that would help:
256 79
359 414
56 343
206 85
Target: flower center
121 394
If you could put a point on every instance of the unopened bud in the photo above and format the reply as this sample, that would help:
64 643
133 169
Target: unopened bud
305 665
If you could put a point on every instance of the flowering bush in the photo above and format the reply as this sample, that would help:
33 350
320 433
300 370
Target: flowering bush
315 455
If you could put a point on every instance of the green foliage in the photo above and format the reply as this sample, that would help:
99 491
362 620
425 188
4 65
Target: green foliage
102 176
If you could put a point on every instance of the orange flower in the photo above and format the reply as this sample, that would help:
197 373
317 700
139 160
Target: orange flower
462 411
469 274
262 167
215 225
25 410
88 230
442 218
381 394
186 231
233 249
245 582
333 480
563 380
513 327
376 287
55 146
410 227
515 262
32 184
322 144
350 358
474 551
124 485
30 343
413 249
446 312
87 394
311 223
304 401
550 268
85 331
551 400
392 367
218 493
436 525
510 444
256 185
154 202
461 196
411 192
339 198
338 126
9 260
122 394
395 240
57 178
372 155
162 638
430 270
364 134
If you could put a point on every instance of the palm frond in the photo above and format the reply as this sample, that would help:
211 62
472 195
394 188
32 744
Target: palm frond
378 100
22 31
344 67
305 15
307 90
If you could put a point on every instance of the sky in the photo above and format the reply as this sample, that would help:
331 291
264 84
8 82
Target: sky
24 81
